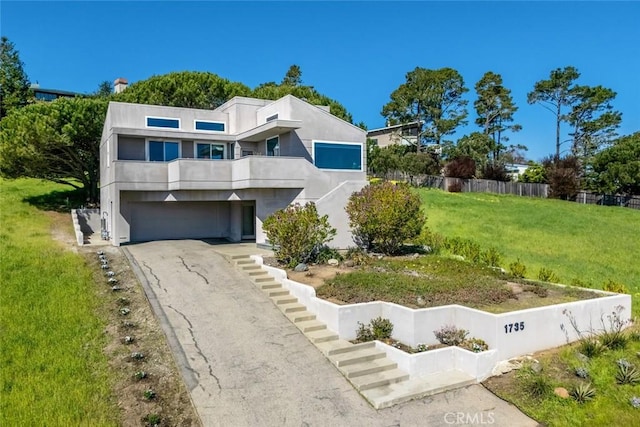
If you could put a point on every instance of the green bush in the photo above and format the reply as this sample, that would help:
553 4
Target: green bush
583 392
611 286
326 253
357 256
517 269
378 329
298 233
384 216
547 275
491 257
433 240
451 335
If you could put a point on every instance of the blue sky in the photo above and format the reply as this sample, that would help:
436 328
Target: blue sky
355 52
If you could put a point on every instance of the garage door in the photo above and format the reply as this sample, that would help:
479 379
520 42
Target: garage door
179 220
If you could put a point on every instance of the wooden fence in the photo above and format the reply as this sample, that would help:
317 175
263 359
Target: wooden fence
522 189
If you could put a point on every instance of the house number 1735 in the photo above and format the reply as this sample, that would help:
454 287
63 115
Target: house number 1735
513 327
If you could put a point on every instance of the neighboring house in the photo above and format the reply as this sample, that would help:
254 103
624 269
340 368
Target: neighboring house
42 94
173 173
405 134
515 170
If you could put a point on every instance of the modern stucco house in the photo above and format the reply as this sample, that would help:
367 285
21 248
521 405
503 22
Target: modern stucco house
173 173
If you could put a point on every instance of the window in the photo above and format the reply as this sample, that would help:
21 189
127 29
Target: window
162 122
209 126
210 151
163 151
246 153
273 146
271 118
335 155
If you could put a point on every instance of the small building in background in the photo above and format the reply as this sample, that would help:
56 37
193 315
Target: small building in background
404 134
42 94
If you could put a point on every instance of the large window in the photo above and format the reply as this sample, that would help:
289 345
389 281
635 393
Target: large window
163 151
163 122
209 126
337 155
273 146
210 151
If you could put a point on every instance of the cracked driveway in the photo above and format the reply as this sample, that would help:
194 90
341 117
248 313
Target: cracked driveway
245 364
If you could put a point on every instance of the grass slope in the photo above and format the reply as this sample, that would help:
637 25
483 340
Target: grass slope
53 371
588 243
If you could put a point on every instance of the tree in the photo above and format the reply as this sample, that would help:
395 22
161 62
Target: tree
383 216
386 159
431 97
478 146
616 169
563 175
593 120
416 164
57 141
189 89
535 173
104 90
14 84
495 108
292 85
555 93
293 76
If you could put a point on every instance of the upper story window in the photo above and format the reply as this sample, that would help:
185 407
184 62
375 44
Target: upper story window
210 151
163 122
337 155
273 146
163 151
271 118
209 126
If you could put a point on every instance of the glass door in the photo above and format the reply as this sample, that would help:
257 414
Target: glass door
248 221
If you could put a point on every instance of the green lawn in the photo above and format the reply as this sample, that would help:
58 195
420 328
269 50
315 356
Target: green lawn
53 371
588 243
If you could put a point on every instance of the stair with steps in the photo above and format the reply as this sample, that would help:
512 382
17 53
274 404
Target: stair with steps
376 377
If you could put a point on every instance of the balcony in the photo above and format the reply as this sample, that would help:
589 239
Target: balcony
202 174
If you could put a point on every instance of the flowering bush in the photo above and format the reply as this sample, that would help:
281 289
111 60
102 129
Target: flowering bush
384 216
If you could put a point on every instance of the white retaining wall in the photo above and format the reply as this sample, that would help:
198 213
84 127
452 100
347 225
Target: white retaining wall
544 327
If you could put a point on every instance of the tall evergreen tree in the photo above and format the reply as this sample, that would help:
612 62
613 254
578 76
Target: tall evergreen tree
554 94
14 84
495 107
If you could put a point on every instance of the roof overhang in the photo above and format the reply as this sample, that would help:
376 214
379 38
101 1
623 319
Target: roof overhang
269 129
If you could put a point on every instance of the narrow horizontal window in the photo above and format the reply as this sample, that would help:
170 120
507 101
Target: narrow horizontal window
160 122
338 156
210 126
271 118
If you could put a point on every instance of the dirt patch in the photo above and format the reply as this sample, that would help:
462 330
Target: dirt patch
127 313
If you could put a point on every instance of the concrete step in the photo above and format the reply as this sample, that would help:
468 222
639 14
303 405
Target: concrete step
292 307
257 272
369 367
416 388
310 325
357 356
244 262
284 299
250 267
327 348
377 379
276 292
351 347
301 316
238 257
321 336
270 285
262 278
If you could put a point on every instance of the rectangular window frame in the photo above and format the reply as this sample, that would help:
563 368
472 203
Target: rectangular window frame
313 154
266 146
195 126
210 143
146 122
164 152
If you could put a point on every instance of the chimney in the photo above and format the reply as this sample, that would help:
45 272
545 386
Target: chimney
120 84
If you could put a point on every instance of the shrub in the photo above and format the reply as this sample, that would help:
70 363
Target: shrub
461 167
151 420
455 187
450 335
297 233
582 372
547 275
491 257
612 286
476 345
590 346
377 329
495 171
384 216
517 269
613 336
563 175
537 385
433 240
149 394
466 248
326 253
382 328
357 255
583 392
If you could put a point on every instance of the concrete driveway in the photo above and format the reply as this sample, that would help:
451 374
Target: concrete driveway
245 364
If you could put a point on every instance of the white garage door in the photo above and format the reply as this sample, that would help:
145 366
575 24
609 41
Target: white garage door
178 220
